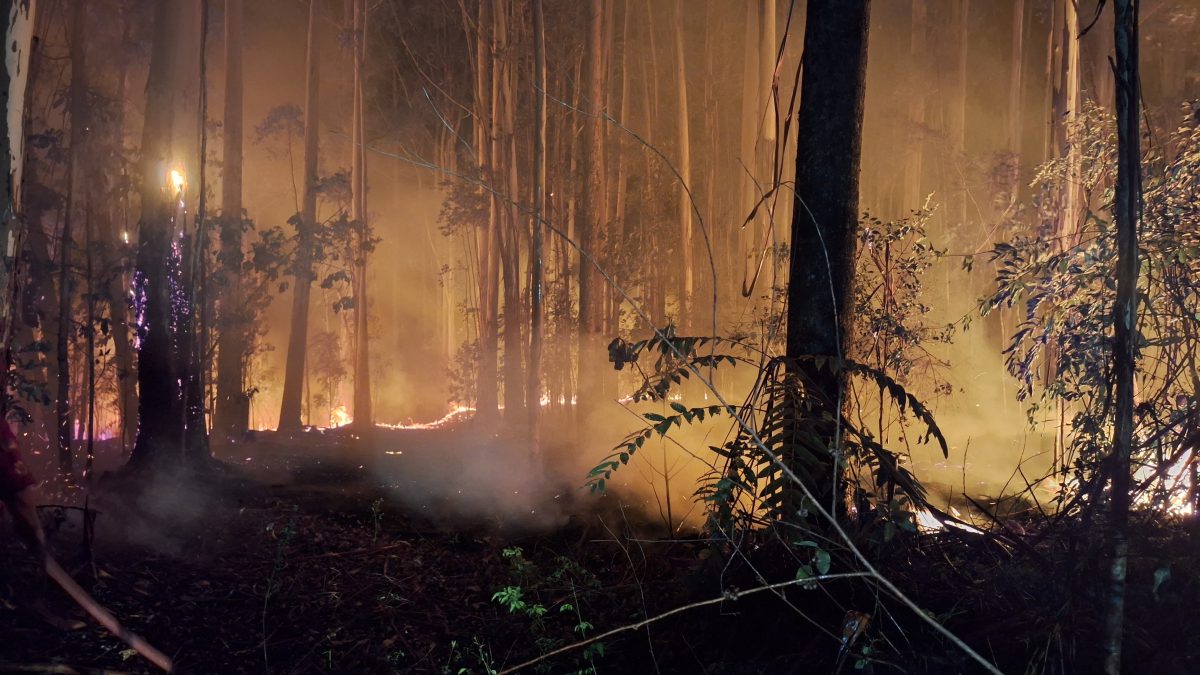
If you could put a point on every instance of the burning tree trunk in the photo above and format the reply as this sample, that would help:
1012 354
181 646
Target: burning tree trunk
1127 215
160 297
306 225
362 369
232 414
825 213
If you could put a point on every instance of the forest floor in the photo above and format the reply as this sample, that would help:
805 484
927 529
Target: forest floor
309 565
294 562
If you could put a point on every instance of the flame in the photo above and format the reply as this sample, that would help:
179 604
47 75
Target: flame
176 181
456 412
338 417
1171 491
927 522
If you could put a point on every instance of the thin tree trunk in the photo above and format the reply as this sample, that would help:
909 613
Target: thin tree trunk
302 273
487 401
533 390
363 414
917 52
77 106
1015 80
117 291
1127 215
752 109
90 457
193 322
514 384
593 218
232 415
687 250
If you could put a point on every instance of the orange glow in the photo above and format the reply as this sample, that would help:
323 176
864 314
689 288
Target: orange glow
338 417
176 181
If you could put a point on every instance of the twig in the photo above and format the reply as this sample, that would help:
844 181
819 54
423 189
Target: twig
728 596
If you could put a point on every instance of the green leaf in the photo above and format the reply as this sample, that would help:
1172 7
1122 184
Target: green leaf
823 561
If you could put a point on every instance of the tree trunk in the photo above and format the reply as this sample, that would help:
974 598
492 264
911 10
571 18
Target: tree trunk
533 389
487 108
1015 80
1065 110
687 250
825 213
117 292
752 110
363 414
193 322
1128 216
90 457
19 16
77 111
917 53
514 384
161 420
593 217
306 225
232 414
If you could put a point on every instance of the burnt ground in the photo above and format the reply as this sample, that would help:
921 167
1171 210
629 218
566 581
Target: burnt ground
327 554
305 564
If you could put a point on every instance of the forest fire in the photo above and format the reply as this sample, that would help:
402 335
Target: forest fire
535 335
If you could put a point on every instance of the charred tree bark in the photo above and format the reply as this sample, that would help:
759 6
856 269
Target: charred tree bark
161 428
306 225
232 415
825 213
1128 218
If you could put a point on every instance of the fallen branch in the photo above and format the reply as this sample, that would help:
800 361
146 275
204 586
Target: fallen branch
728 596
103 617
357 551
